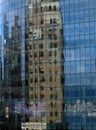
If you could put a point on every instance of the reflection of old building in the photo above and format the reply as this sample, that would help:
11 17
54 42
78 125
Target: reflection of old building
31 64
11 83
16 30
44 56
16 59
12 60
32 68
5 68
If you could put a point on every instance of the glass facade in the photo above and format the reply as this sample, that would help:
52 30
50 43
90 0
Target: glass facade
79 27
31 67
13 91
47 64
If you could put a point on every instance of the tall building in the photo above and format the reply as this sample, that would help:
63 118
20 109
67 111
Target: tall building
44 45
47 64
32 88
11 90
79 23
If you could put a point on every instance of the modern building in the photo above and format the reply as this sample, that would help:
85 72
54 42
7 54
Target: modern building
79 27
32 69
47 64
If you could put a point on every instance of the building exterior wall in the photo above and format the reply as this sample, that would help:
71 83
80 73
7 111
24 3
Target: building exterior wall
12 65
47 64
79 21
43 47
32 81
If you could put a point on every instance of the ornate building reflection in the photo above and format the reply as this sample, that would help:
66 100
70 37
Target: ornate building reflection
44 55
31 66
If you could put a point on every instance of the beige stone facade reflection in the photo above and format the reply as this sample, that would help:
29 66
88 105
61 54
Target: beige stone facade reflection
44 53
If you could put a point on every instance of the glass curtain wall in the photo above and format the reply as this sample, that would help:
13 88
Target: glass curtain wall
31 65
13 91
79 27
